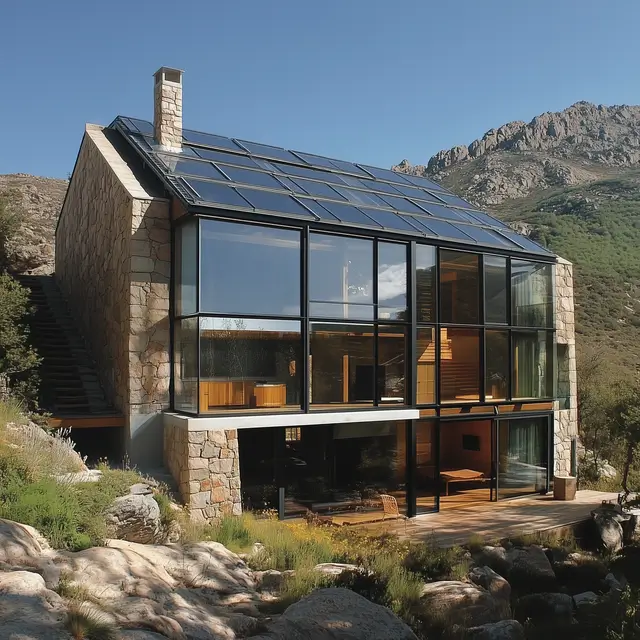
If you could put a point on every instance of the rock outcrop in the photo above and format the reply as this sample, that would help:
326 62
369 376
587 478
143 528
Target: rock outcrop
337 614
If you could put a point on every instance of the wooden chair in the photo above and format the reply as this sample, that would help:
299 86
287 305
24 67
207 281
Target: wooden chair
390 508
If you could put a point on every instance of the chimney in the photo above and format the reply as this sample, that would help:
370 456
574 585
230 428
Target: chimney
167 108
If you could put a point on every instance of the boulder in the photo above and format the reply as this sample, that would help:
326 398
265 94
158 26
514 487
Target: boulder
271 580
613 583
28 610
78 477
135 518
335 568
141 489
337 614
465 603
609 527
493 582
549 608
530 569
140 634
21 544
494 557
503 630
585 598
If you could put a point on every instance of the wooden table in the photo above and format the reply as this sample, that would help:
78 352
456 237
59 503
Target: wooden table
461 475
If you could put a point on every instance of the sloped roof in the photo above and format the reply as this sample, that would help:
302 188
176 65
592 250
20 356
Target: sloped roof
217 172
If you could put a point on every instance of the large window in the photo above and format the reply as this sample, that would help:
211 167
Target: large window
342 470
459 287
495 290
249 364
426 283
459 365
532 364
496 365
342 364
531 294
186 268
426 365
185 365
392 281
340 277
249 269
524 456
391 364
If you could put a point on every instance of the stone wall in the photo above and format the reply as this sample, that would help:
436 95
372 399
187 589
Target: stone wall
565 419
92 262
206 466
113 261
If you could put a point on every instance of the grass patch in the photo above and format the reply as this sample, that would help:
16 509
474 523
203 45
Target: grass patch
85 623
167 513
435 563
553 539
11 410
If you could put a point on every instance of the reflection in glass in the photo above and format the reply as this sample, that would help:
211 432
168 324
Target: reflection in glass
259 468
342 370
459 287
497 365
459 365
344 469
531 294
249 364
186 267
185 365
523 456
392 281
340 277
426 466
533 364
426 282
495 289
249 269
391 365
563 378
426 366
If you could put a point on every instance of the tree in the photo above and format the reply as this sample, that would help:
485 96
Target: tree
626 425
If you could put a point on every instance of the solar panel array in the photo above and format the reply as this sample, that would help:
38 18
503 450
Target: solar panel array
229 173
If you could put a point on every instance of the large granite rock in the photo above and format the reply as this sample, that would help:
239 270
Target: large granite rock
337 614
503 630
135 518
545 608
464 603
530 569
493 582
21 544
609 525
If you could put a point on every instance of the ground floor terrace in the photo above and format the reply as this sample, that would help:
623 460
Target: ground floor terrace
359 472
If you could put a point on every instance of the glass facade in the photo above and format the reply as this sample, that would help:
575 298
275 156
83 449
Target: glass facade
282 319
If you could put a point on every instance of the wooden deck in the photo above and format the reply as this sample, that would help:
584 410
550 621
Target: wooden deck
495 520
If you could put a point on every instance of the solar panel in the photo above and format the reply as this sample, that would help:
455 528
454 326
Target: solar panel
229 158
216 193
248 176
210 140
361 197
268 151
316 189
454 200
423 182
271 201
263 177
350 214
389 219
402 204
200 168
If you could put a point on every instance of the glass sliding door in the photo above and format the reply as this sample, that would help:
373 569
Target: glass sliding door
523 456
426 460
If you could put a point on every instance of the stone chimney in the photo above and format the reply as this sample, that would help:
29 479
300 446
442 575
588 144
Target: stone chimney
167 108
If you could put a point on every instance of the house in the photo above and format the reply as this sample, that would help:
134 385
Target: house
297 332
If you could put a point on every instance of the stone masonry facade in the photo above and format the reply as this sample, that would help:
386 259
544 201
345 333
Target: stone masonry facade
113 260
206 466
565 418
167 108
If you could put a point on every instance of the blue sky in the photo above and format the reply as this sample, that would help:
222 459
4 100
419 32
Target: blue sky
373 81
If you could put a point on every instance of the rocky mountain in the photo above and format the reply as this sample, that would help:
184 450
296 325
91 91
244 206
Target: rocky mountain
37 203
571 180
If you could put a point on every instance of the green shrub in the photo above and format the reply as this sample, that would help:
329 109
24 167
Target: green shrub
18 360
167 513
436 563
